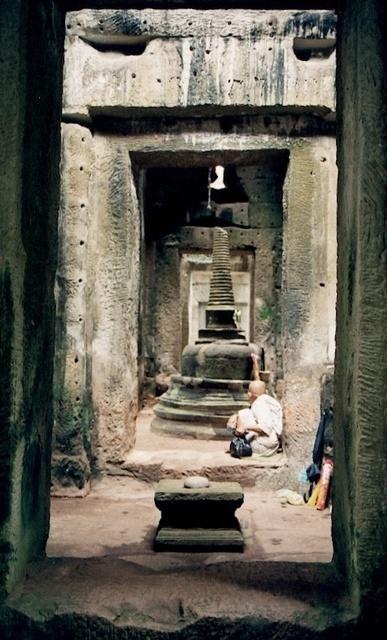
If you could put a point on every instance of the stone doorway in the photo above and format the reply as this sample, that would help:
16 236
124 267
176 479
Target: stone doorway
199 291
107 345
360 51
177 254
126 170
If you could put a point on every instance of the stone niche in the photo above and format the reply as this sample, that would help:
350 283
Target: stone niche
152 99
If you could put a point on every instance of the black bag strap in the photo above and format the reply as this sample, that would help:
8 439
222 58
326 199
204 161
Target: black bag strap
318 447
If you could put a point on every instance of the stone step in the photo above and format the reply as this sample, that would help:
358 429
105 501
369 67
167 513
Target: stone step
156 457
153 466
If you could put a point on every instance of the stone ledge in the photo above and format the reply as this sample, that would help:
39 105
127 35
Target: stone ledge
173 490
154 466
212 61
127 25
174 539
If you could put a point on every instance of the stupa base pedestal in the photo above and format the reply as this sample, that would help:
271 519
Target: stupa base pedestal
199 407
176 429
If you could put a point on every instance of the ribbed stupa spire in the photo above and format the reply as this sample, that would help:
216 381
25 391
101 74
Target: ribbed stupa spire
221 291
220 310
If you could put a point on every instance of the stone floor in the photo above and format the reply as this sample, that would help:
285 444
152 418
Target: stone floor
101 566
118 519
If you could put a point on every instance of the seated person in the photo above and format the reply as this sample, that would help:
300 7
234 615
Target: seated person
262 423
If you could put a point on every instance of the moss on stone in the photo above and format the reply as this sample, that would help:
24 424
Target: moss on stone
6 440
6 431
266 312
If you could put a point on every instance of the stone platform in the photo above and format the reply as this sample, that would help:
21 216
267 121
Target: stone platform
157 457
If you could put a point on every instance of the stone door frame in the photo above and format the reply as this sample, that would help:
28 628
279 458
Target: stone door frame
108 186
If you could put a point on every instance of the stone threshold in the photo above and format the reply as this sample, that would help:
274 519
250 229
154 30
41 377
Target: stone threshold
152 466
157 456
111 597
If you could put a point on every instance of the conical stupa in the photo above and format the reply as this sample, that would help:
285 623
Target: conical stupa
216 370
221 290
220 310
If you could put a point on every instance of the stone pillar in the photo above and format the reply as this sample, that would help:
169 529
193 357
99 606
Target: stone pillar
308 297
167 320
114 301
97 308
360 506
73 419
31 60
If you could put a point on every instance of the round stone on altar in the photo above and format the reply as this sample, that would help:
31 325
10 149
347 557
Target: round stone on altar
196 482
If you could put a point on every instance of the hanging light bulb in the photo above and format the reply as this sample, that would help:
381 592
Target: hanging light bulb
218 182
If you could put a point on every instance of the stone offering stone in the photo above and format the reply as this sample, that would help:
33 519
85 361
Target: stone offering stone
172 491
196 482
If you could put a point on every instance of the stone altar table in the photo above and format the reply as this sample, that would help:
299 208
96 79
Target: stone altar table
198 519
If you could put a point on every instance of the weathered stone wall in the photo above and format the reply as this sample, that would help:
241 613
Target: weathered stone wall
164 316
194 60
30 84
360 508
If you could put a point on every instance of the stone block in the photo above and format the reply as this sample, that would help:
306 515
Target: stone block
198 518
222 59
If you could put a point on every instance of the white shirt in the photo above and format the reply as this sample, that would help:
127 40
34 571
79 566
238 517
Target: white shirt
267 412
